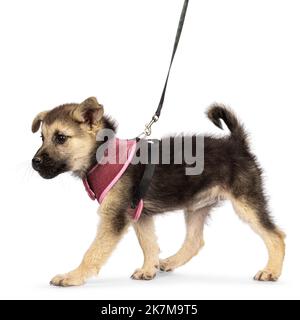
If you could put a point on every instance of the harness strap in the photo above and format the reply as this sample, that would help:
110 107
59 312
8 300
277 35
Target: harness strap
142 188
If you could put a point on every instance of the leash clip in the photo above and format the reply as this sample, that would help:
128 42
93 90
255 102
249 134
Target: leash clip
147 131
148 126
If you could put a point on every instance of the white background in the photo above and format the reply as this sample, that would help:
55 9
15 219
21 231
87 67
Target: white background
242 53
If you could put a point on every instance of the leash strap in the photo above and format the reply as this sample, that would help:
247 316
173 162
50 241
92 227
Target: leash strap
149 170
178 34
156 116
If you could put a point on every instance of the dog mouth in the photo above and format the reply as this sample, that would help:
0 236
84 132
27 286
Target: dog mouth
51 172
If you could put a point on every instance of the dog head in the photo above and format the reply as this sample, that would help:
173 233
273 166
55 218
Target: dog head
69 134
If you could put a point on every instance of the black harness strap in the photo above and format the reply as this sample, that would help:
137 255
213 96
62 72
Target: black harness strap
142 188
149 170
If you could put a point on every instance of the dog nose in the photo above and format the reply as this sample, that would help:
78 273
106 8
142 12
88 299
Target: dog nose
36 162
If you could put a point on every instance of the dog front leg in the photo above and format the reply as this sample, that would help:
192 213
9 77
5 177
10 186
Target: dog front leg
113 225
145 232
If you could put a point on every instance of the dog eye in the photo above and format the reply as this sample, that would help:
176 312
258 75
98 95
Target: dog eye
60 138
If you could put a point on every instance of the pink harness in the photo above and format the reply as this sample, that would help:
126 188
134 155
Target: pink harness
104 176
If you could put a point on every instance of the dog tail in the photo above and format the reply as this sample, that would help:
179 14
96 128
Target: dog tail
218 112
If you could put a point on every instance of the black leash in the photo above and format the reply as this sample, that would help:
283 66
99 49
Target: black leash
178 34
147 131
149 170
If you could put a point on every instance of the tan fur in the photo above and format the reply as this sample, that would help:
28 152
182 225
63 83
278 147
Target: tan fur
145 232
195 216
193 241
274 241
206 199
103 245
77 150
88 104
36 123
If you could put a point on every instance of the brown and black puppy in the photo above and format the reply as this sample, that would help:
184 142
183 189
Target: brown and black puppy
231 172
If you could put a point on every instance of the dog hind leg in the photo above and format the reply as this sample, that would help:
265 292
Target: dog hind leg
193 241
258 218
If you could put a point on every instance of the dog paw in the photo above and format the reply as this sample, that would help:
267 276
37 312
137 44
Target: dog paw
144 274
266 275
166 265
67 280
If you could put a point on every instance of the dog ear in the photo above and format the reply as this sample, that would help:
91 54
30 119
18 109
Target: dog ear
89 111
36 123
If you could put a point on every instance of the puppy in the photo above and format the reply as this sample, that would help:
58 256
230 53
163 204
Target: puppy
231 172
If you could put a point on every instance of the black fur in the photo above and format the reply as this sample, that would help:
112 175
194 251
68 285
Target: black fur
228 163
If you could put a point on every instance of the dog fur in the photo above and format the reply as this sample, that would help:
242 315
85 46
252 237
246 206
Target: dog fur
231 172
